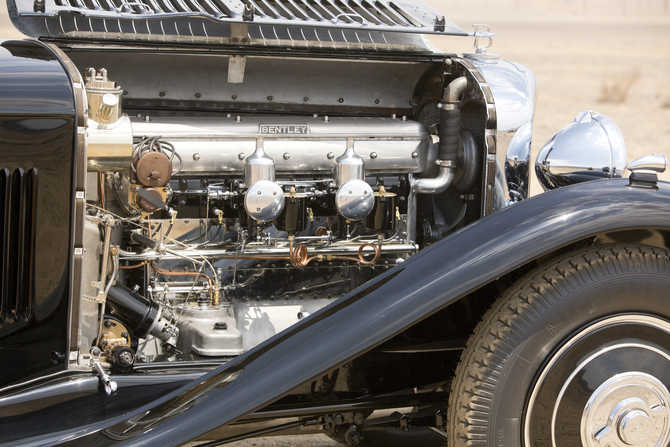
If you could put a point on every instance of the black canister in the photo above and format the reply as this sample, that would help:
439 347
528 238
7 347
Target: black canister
383 216
293 218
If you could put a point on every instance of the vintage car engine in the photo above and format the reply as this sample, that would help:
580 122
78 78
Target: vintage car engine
235 227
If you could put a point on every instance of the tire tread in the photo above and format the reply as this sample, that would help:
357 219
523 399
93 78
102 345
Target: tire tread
506 323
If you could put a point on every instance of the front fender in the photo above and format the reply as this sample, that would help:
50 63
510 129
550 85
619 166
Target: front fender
384 307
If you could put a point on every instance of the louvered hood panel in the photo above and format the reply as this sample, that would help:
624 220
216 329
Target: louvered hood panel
377 24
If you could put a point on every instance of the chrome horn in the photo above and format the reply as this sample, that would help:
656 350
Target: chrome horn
589 148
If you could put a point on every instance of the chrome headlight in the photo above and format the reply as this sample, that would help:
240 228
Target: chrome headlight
589 148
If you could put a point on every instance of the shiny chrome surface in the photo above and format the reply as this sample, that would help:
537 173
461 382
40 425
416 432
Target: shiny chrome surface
514 89
630 409
110 146
258 166
103 97
652 162
435 185
280 251
349 166
589 148
264 201
219 142
354 199
607 417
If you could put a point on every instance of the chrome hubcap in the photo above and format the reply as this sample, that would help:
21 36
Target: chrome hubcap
630 409
606 386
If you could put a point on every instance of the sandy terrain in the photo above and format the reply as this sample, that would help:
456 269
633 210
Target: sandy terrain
576 48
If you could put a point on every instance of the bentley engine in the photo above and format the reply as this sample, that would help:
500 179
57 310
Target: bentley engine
235 227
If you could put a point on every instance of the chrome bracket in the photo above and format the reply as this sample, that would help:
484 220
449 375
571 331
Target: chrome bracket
106 383
108 221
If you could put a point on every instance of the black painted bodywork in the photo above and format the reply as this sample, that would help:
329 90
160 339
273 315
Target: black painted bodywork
430 281
37 155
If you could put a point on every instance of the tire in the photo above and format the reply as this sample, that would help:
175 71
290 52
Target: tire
577 353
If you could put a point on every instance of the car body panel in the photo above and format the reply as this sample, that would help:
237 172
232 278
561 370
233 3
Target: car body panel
37 143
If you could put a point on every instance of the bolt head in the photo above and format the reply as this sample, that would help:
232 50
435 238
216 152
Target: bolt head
634 427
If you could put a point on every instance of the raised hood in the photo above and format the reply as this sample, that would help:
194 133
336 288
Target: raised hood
347 24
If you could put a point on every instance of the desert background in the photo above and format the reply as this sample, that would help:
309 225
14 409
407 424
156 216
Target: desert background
612 56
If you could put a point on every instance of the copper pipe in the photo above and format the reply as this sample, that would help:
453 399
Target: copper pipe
133 266
361 259
298 257
194 274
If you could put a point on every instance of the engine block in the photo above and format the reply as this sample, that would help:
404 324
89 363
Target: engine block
238 226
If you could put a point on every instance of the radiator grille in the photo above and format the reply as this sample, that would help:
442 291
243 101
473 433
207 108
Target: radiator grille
18 189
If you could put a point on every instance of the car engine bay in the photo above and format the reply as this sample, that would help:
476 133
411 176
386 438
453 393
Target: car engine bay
220 231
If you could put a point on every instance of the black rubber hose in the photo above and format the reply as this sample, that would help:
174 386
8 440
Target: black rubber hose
135 311
143 240
450 123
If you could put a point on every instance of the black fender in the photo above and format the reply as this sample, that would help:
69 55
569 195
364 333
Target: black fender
385 306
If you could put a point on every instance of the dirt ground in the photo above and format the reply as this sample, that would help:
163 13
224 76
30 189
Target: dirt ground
580 50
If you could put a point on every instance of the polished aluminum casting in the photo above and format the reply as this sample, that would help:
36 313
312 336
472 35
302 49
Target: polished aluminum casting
219 142
258 166
589 148
264 201
208 330
349 166
354 199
